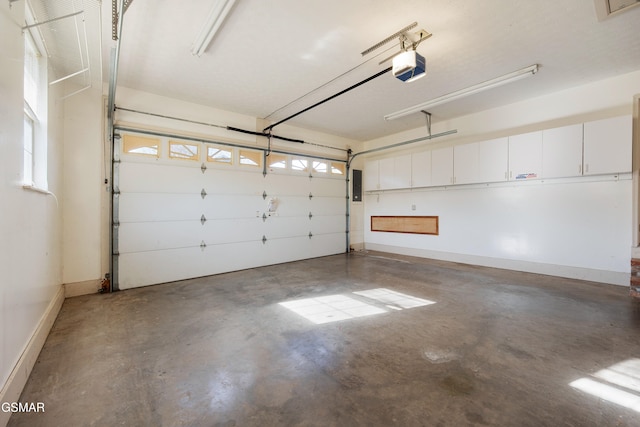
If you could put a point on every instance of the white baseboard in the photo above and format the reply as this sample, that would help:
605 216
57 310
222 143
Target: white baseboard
15 383
602 276
82 288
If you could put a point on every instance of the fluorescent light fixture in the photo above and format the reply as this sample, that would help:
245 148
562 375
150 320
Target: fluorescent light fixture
489 84
215 19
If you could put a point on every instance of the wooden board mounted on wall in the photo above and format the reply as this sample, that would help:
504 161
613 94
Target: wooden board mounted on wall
405 224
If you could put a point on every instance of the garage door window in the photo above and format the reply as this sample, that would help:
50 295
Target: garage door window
250 158
298 164
219 155
185 151
337 168
319 167
277 161
135 144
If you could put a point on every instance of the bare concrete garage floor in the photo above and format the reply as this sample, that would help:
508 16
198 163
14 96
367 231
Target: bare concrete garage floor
491 347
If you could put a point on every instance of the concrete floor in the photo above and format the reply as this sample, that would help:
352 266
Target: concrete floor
497 348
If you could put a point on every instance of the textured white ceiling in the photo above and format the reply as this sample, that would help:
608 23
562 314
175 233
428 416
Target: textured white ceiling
270 56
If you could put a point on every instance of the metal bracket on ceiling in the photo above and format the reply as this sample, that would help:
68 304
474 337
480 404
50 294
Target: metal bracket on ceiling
409 41
115 16
427 116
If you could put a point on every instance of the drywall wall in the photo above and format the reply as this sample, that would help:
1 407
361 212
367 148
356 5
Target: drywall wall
568 228
84 189
30 221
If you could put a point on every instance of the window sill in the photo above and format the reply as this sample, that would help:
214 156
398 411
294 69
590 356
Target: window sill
36 189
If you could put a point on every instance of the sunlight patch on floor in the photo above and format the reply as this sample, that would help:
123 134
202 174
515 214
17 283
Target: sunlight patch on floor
334 308
619 384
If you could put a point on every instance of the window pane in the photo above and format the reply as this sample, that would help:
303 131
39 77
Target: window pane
219 155
31 72
338 168
250 158
182 150
135 144
320 167
28 150
277 161
298 164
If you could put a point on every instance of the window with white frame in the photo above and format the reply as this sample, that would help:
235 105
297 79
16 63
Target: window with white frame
35 110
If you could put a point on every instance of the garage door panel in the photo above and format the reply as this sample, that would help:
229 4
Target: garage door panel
328 224
328 205
159 178
292 205
233 206
286 249
231 257
139 207
327 244
327 186
151 236
149 268
231 230
231 181
287 185
281 226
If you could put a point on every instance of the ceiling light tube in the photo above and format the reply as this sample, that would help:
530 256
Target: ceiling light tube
489 84
215 19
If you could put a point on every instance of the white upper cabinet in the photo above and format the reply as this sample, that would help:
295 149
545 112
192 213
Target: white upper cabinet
370 175
385 171
562 152
421 169
395 172
607 146
442 166
493 160
465 164
525 156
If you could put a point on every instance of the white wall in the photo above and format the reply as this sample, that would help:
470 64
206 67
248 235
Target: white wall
30 222
84 217
568 228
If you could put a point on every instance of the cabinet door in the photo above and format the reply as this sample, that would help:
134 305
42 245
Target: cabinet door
493 160
385 174
525 156
421 169
607 146
402 171
465 164
562 151
442 166
370 175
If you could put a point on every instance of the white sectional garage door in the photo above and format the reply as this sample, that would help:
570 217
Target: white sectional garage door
195 214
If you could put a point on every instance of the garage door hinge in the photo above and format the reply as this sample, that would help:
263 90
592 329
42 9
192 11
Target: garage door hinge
264 217
310 216
203 168
264 239
203 193
202 245
203 219
264 195
310 196
310 235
